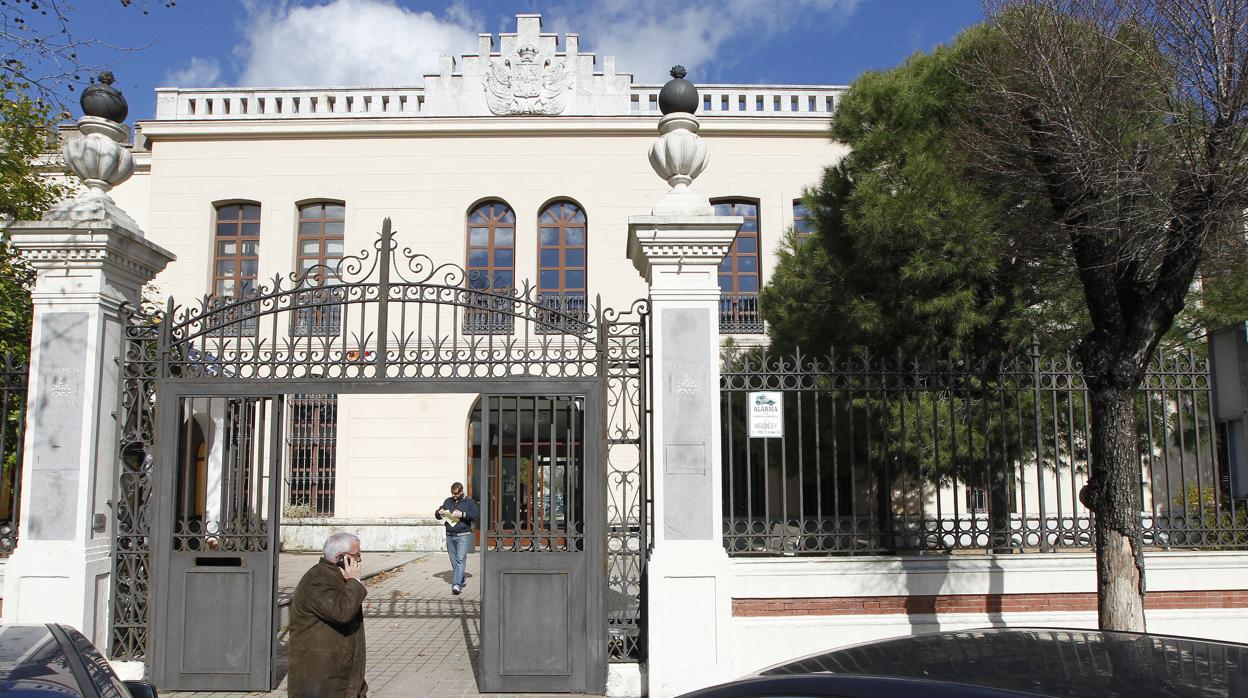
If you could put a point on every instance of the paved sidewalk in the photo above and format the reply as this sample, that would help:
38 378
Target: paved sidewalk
292 566
422 641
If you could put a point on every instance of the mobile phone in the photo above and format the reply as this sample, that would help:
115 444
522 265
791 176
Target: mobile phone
342 562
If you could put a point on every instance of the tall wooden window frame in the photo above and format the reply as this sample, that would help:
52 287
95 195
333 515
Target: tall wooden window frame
562 264
803 221
235 262
739 272
319 244
740 277
490 263
236 249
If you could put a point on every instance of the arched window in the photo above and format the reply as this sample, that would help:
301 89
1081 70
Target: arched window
491 246
490 265
738 273
561 270
235 265
319 247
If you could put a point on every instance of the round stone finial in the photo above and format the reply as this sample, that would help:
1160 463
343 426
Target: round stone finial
102 100
678 95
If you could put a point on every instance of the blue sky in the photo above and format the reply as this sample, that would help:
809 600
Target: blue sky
205 43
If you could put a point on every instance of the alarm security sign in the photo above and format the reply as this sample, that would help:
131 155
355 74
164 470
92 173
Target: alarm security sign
766 415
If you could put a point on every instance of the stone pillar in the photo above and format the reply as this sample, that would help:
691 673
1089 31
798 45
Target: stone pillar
90 258
678 250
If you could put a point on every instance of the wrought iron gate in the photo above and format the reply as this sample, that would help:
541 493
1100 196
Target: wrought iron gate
200 488
12 431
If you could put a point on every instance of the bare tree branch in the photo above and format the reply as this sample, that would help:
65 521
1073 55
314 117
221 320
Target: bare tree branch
40 47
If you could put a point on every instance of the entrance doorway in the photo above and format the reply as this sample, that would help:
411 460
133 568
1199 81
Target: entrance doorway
205 390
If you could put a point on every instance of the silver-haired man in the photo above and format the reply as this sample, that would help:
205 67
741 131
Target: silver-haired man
327 625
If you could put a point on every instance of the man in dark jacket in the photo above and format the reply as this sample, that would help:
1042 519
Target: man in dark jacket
458 512
327 625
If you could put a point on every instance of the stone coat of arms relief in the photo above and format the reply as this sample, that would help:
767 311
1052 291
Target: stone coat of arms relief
527 82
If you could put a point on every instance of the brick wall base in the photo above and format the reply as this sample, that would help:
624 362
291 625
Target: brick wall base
974 603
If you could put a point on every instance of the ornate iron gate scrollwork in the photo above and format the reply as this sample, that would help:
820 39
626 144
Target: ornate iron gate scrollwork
141 354
627 359
395 318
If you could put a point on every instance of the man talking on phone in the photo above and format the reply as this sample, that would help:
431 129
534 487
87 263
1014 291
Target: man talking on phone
458 512
327 625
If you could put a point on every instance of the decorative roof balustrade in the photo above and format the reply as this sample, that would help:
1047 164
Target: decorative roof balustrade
287 103
749 100
216 104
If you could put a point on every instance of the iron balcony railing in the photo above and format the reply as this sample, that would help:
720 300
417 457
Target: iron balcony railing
739 314
318 312
887 455
566 313
492 311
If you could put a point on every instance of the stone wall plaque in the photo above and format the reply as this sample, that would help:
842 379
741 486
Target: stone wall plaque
57 445
688 398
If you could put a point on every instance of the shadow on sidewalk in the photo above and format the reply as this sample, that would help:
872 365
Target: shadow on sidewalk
398 605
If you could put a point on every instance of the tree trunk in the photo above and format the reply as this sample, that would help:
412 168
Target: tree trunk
1113 494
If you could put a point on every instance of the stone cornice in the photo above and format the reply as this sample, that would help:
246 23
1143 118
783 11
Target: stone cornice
50 246
679 240
441 127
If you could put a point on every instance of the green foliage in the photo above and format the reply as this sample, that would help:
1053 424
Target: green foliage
1219 299
912 250
26 130
1202 511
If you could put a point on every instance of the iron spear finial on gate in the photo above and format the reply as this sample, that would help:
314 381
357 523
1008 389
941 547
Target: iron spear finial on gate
383 296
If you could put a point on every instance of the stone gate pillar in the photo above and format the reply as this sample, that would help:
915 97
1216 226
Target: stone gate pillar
678 250
90 257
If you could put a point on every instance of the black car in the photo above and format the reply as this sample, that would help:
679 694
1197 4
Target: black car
56 660
1009 662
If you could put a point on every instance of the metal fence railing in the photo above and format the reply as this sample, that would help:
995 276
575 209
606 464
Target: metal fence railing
13 381
884 455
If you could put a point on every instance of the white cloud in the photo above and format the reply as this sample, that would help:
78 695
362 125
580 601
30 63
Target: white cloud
348 42
200 72
647 37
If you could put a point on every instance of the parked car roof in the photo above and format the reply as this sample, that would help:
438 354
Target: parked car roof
32 663
1015 661
41 661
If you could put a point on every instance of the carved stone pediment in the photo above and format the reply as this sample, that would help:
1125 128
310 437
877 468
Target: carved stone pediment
528 81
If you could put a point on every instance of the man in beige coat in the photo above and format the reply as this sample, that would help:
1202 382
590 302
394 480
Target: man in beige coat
327 625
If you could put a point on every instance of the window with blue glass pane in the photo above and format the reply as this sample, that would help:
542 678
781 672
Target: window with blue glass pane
739 279
803 221
739 271
491 246
561 269
562 249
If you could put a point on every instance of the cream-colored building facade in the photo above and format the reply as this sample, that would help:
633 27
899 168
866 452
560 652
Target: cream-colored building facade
527 122
237 182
